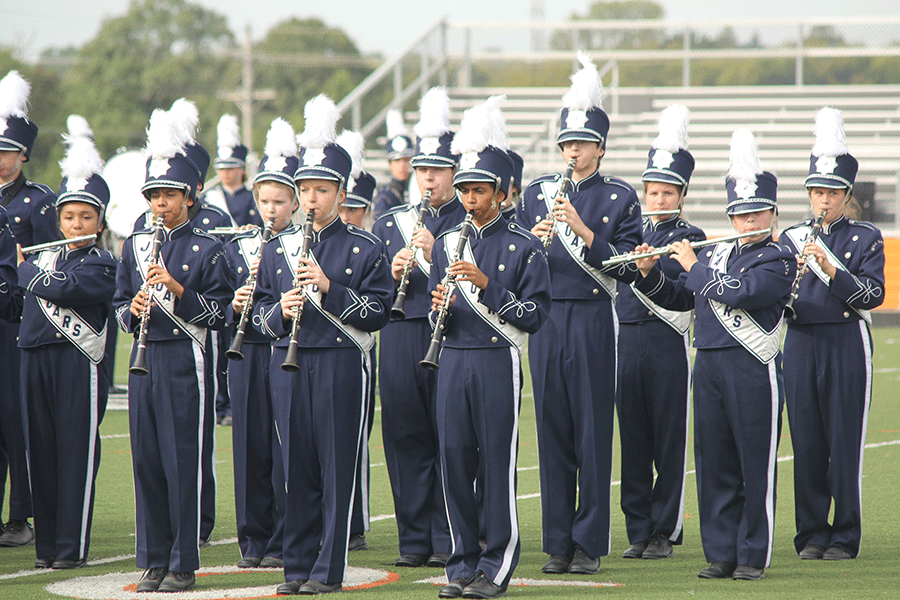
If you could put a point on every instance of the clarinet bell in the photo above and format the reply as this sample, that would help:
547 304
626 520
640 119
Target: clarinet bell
139 367
397 311
237 343
290 363
430 361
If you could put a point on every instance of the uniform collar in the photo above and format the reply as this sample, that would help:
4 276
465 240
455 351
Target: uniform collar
66 253
12 189
588 181
178 231
835 225
329 230
445 208
664 225
741 248
491 228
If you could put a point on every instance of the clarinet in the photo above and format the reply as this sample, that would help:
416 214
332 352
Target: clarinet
234 351
814 232
139 366
290 359
397 311
564 184
430 361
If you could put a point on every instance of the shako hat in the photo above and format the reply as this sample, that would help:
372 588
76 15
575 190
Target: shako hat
749 188
81 168
669 160
831 165
230 152
482 143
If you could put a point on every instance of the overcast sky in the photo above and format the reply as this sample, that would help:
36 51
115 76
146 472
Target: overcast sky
382 26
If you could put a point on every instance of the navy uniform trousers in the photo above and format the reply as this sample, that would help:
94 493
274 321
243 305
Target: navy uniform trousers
828 376
12 434
478 401
259 496
359 521
737 424
64 411
410 432
320 413
653 406
167 413
573 373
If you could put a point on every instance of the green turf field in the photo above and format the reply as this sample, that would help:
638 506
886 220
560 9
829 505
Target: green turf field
873 575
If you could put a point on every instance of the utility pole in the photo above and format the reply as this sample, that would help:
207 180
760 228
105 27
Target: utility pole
245 96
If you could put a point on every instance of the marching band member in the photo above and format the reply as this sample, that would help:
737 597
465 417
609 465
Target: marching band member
340 294
399 152
573 357
32 219
167 411
828 351
738 290
259 494
63 340
354 208
503 294
232 195
653 376
408 419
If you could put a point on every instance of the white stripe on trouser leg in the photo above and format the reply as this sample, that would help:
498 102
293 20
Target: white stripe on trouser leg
92 448
773 449
865 334
362 423
510 550
200 370
687 424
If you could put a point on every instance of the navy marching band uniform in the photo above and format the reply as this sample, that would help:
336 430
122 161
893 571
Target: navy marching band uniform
738 292
399 146
319 410
480 376
828 367
653 367
240 204
408 418
573 357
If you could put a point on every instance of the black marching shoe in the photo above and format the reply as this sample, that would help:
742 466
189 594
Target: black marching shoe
44 563
312 587
271 562
582 564
636 550
438 560
177 582
411 560
455 588
357 542
812 552
718 570
659 547
558 564
151 579
482 587
63 563
748 573
289 588
836 553
249 562
16 534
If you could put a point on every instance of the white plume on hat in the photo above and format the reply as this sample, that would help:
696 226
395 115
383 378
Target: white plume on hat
830 140
673 135
745 164
185 118
82 159
280 139
321 116
162 141
482 126
14 91
395 125
434 113
228 132
586 91
354 144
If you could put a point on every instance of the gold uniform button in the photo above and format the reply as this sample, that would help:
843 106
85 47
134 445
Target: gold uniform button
494 339
184 267
649 313
848 254
339 340
206 221
58 335
501 268
846 314
195 248
606 219
175 332
595 291
355 249
512 247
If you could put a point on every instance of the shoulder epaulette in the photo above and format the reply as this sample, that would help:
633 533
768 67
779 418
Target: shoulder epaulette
546 178
617 181
354 230
202 233
518 229
40 186
865 224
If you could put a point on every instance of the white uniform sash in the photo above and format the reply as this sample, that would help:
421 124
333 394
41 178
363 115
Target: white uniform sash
92 343
469 292
799 235
406 223
574 245
680 321
762 344
216 197
160 294
292 245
